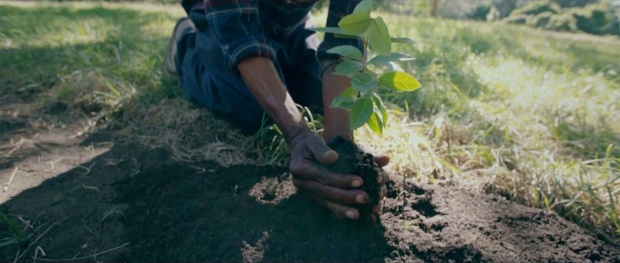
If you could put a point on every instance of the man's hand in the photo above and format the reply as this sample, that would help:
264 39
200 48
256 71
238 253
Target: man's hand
335 191
308 151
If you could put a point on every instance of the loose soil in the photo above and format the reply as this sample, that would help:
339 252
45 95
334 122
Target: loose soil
139 205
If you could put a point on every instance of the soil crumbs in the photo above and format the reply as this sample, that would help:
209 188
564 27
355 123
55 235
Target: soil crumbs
139 205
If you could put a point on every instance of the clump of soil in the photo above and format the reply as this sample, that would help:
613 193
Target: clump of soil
352 160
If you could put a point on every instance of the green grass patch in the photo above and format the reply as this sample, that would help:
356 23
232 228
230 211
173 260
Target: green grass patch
95 57
529 114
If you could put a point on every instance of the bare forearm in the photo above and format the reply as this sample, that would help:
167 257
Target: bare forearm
263 80
336 120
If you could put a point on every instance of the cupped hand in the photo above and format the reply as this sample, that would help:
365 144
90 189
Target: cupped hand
337 192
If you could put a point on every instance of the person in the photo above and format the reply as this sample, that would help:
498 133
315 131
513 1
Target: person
242 59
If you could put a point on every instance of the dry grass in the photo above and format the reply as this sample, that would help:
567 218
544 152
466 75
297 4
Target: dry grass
192 134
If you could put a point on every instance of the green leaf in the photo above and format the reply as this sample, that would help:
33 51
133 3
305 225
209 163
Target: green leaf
347 51
334 30
346 36
363 81
375 124
402 40
379 37
382 108
363 7
399 81
348 67
390 65
390 58
343 102
360 112
355 24
349 92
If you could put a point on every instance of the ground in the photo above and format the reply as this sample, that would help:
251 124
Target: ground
102 160
101 197
136 204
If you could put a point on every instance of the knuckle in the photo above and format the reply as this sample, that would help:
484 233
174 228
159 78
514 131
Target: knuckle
336 209
295 167
323 176
343 181
324 190
348 197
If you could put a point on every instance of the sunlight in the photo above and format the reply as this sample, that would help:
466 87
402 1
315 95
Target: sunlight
33 166
531 90
410 151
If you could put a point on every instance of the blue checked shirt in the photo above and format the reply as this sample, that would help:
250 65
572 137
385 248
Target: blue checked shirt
251 28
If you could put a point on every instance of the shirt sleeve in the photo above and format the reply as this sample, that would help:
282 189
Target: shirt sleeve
337 10
237 27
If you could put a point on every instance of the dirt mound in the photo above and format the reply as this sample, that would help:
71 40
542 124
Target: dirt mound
138 205
439 223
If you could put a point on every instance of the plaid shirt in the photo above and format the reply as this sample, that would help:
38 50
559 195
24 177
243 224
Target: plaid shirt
251 28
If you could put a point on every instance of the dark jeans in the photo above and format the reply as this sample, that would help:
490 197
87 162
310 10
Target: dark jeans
208 82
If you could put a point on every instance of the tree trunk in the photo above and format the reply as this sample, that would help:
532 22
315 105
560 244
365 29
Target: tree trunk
434 8
505 7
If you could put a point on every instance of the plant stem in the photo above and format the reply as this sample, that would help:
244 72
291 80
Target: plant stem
365 54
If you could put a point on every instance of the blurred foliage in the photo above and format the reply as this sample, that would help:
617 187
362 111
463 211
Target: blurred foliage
594 18
480 12
385 5
121 1
574 3
590 16
541 20
536 8
517 19
562 22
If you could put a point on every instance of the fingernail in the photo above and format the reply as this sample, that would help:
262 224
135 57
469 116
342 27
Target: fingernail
356 183
359 199
350 214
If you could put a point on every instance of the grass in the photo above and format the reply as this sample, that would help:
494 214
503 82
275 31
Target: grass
528 114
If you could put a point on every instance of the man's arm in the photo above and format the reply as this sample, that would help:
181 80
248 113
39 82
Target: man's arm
262 79
336 119
306 148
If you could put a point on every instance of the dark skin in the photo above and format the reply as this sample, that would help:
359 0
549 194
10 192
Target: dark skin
308 150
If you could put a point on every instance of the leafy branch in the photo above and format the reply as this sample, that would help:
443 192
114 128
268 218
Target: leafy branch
362 99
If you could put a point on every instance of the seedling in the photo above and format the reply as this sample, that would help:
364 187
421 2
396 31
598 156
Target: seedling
362 99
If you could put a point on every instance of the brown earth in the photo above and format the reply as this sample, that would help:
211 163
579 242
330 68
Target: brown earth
353 160
132 204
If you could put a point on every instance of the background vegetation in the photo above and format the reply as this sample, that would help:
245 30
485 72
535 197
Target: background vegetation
529 114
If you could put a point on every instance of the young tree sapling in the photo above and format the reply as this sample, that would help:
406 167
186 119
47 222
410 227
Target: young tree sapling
362 99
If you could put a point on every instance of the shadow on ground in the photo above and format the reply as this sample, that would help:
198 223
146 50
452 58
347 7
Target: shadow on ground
168 211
